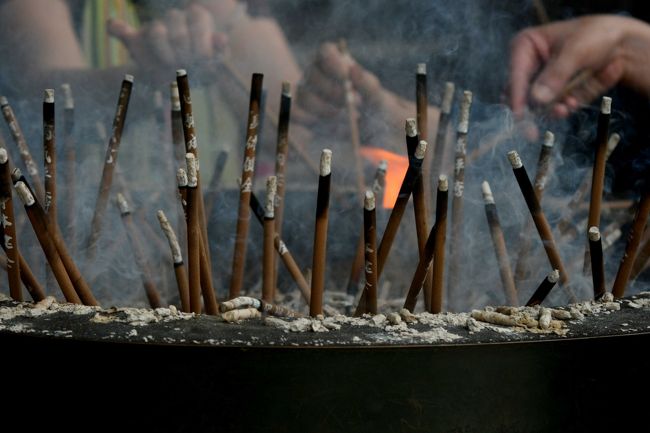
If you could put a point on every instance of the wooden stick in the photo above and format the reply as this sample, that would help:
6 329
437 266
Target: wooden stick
425 260
38 221
500 249
543 228
177 124
177 257
597 262
243 218
110 160
412 174
370 240
442 203
268 262
49 156
525 242
136 246
281 155
70 156
598 175
26 275
353 116
9 240
193 236
357 264
320 234
456 242
544 288
23 148
440 146
283 252
633 241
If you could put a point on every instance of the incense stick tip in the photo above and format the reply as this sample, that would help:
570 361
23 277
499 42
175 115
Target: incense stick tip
383 165
488 197
421 149
48 96
553 276
161 216
421 69
174 96
612 143
16 174
24 193
3 101
606 105
129 78
122 204
515 160
594 234
549 139
192 170
325 162
181 73
443 183
271 191
411 127
369 200
181 178
286 88
4 157
448 97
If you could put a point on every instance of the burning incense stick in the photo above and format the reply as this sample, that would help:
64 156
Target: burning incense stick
283 252
320 234
543 228
21 143
424 262
598 175
177 257
370 241
136 246
544 288
633 241
110 160
70 156
456 243
500 249
49 156
47 244
411 176
442 202
268 262
597 262
422 115
543 164
177 123
353 116
243 218
193 236
440 146
9 240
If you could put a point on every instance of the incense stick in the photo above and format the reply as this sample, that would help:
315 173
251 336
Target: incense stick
110 160
499 243
176 120
177 257
70 156
9 240
243 215
268 263
320 234
442 203
49 156
193 236
440 146
544 288
597 262
370 250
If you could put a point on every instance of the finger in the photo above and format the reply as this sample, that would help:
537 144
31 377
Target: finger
332 62
327 88
179 35
122 31
201 28
158 39
527 50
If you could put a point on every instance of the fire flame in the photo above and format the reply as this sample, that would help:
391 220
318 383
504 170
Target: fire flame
397 166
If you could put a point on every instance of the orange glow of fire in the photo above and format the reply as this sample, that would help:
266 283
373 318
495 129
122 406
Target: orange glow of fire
397 166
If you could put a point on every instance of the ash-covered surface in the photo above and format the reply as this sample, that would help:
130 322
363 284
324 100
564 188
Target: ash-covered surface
168 326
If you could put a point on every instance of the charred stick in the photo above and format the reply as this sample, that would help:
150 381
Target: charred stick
412 174
136 246
544 288
541 223
320 234
268 262
426 258
457 212
283 251
633 241
177 257
39 224
543 164
370 249
598 175
243 215
442 202
49 156
110 161
193 236
597 262
9 240
499 242
70 156
23 149
440 145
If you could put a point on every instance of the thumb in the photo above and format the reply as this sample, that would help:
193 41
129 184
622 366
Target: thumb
121 30
557 73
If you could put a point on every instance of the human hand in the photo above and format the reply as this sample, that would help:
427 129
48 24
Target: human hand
568 63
